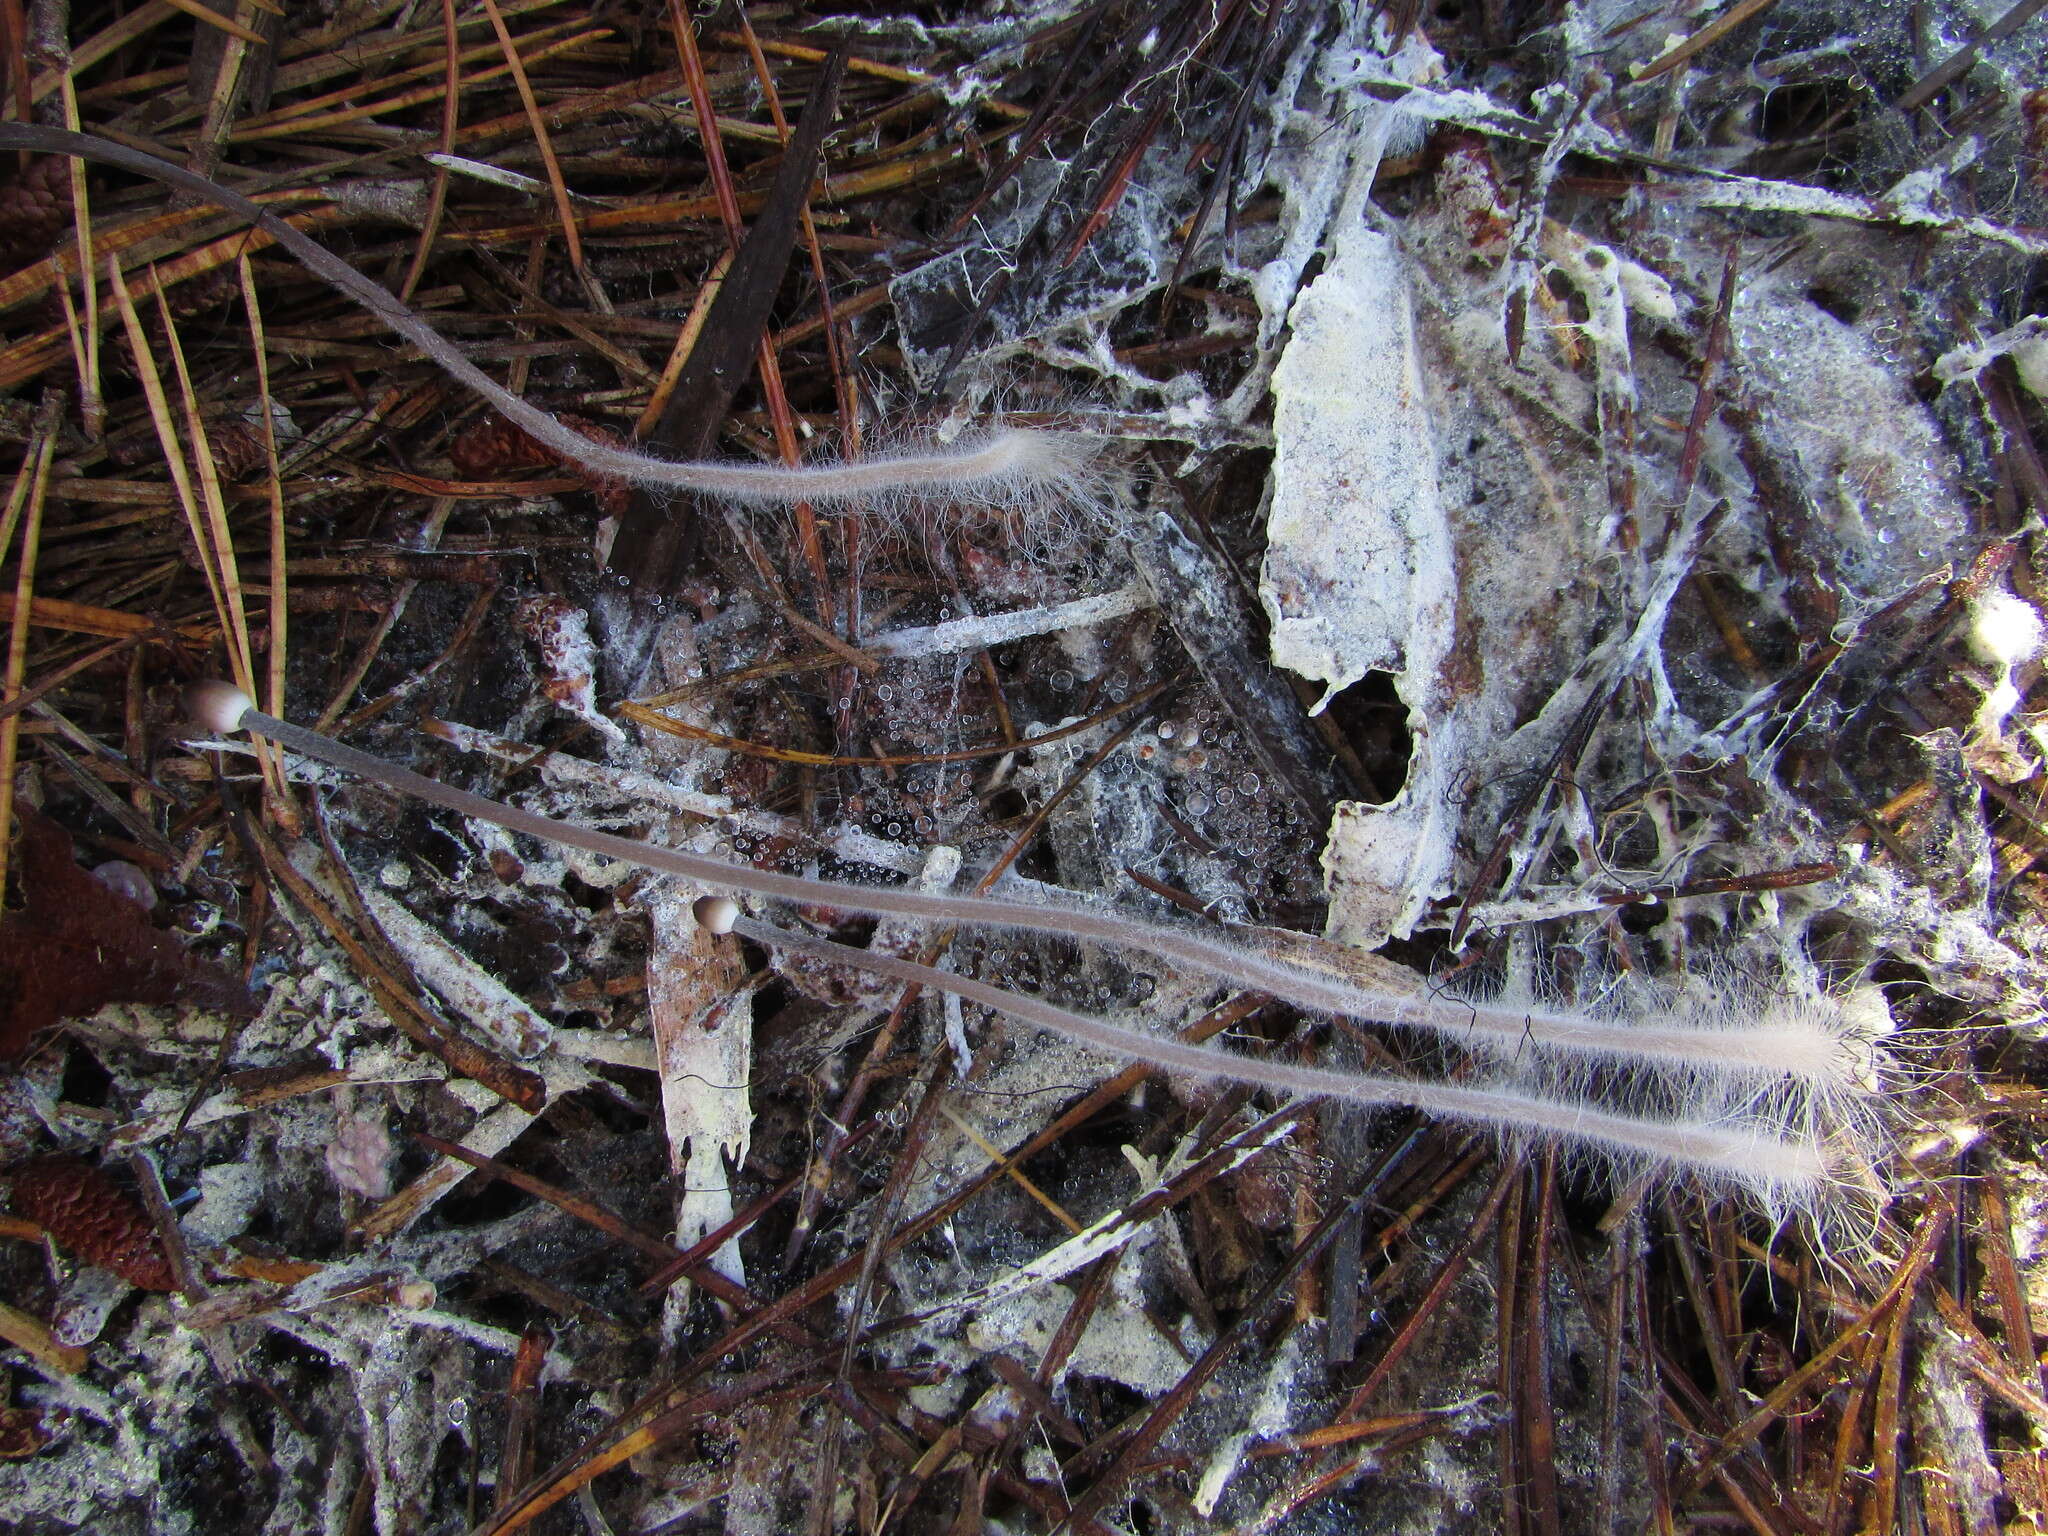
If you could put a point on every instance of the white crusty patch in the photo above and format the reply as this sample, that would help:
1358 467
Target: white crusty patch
1358 574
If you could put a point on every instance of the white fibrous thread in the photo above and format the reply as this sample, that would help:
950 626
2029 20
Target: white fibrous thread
2005 631
1004 468
1770 1094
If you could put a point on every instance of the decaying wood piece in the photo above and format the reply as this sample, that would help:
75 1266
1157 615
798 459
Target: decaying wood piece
1358 574
701 1011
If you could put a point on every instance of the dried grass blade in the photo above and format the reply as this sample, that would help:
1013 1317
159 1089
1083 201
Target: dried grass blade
85 333
280 575
216 542
31 483
541 139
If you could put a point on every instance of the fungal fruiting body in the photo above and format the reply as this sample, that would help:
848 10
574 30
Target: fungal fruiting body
1001 468
1746 1094
1807 1047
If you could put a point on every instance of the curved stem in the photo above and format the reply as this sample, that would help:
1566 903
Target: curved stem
1805 1050
999 466
1759 1161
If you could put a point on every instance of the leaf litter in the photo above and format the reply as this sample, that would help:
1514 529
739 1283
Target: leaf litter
1575 480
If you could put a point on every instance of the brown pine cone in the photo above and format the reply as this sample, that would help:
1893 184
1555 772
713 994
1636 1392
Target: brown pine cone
493 447
90 1217
237 448
35 208
209 290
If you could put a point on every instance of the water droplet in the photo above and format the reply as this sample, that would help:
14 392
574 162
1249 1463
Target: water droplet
1249 783
1198 804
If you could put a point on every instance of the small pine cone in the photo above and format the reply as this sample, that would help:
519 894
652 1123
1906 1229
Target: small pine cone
492 447
35 206
237 448
209 290
89 1216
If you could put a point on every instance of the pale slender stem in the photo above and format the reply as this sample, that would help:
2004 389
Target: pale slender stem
1800 1051
1755 1159
999 465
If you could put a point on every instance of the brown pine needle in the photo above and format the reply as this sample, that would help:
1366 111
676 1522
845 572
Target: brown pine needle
437 197
85 331
215 541
540 136
30 484
273 767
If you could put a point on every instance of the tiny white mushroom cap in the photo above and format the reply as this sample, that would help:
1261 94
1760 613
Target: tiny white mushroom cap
715 914
216 705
